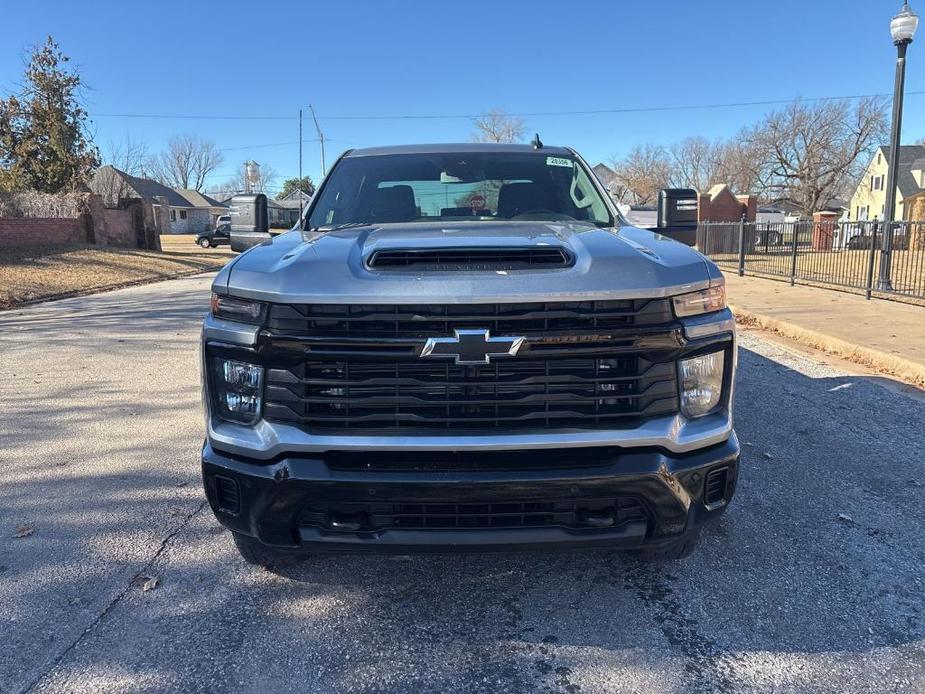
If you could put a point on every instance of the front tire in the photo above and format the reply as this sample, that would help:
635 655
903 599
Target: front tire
204 243
679 549
255 552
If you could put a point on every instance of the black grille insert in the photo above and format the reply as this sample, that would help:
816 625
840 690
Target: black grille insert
365 393
714 491
430 320
540 513
583 365
469 259
226 494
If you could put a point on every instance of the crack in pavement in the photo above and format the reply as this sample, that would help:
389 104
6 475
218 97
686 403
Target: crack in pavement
115 600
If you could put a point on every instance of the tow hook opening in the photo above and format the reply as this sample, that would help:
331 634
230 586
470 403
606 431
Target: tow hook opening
602 518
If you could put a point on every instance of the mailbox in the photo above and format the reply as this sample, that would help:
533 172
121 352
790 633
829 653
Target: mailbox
250 224
677 214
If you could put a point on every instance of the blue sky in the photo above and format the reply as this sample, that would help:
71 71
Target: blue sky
441 58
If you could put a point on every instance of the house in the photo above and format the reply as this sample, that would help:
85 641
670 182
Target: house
284 211
605 174
183 211
869 199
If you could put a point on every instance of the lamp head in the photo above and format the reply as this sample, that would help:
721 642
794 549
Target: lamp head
904 25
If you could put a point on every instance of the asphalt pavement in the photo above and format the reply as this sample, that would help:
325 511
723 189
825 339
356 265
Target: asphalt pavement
114 576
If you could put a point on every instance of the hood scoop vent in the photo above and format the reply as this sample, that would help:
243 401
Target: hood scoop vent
470 259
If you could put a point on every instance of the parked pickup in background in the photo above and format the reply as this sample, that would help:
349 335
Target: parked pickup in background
467 348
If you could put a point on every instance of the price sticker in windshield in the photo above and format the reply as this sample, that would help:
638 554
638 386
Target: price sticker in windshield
558 161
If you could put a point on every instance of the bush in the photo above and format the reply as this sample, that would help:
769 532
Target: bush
31 203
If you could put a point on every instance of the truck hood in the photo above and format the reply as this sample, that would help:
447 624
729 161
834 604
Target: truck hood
330 267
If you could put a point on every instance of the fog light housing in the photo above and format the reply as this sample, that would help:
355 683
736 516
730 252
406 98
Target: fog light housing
238 390
701 384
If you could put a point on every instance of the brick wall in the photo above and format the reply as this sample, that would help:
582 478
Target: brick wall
131 226
21 231
722 206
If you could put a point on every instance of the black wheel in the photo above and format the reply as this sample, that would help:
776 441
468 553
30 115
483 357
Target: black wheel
683 547
204 243
255 552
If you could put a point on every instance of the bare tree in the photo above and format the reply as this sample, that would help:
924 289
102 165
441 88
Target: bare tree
808 153
642 173
499 126
128 155
695 163
187 162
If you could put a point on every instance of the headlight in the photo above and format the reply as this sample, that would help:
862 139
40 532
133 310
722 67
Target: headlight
238 389
701 384
243 310
704 301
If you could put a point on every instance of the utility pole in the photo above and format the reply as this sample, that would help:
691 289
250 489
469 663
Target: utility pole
299 188
320 138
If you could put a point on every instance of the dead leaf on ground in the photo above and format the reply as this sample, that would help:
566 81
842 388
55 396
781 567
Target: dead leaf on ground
23 531
149 583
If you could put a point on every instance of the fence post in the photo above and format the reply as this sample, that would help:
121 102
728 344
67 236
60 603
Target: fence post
793 258
742 246
870 260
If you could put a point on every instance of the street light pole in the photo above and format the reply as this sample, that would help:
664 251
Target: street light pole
902 28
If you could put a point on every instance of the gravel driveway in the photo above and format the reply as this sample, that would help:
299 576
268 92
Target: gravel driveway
812 582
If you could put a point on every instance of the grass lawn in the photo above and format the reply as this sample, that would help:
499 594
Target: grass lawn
34 273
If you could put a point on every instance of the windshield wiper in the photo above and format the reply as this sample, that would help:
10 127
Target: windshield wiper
337 227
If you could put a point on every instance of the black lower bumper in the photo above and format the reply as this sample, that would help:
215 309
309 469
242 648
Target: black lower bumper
402 503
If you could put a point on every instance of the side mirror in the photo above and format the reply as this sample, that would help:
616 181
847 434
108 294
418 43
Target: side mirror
250 221
677 214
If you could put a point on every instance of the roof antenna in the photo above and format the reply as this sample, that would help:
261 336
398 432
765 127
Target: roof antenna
537 143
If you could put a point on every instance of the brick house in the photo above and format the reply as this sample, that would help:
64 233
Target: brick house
185 211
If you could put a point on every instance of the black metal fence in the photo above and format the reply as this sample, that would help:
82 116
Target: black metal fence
846 255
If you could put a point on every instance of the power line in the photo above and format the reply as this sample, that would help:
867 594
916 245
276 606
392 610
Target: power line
526 114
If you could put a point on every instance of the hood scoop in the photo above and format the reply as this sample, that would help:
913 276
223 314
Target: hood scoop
470 259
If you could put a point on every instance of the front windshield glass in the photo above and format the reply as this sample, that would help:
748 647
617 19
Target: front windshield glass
477 186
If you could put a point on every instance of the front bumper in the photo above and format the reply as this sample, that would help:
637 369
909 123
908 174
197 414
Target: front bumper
269 499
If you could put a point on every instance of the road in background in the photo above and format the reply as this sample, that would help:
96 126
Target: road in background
811 582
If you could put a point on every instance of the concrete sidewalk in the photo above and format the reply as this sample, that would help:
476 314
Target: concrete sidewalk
887 336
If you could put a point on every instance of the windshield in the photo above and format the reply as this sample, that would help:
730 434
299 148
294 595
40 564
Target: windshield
391 188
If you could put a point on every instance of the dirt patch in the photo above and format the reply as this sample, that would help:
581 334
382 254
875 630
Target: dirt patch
37 273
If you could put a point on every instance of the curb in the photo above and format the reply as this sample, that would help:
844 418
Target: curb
874 359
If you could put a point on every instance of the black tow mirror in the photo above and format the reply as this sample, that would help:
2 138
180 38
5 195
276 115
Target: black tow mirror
250 221
677 214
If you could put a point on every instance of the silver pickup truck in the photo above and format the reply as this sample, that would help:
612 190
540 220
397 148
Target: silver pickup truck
465 347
